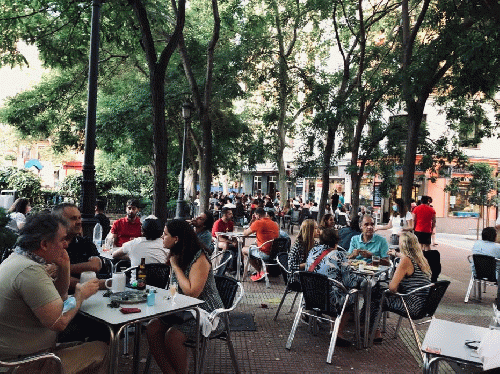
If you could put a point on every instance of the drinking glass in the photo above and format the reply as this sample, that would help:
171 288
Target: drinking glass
375 260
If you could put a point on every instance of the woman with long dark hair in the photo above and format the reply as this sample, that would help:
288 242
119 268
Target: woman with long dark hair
17 213
192 271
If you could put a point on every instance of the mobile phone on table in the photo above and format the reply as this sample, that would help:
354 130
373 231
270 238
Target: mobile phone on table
130 310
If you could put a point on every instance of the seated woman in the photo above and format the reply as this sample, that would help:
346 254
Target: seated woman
302 245
149 246
413 272
335 265
327 222
192 271
346 233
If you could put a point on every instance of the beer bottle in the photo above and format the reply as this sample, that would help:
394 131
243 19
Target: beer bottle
141 275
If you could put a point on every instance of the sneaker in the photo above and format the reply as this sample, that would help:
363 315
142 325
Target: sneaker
257 277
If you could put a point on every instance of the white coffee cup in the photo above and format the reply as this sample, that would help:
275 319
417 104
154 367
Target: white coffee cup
117 282
86 276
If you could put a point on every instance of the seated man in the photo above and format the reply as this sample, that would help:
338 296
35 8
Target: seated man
487 246
34 307
100 207
203 225
265 230
82 252
129 227
368 244
224 224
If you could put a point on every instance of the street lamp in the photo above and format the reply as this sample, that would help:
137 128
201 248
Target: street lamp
180 211
88 182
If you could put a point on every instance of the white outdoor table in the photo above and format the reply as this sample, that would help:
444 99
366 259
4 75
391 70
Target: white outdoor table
449 338
96 307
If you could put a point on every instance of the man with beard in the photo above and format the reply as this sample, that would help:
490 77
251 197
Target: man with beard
82 251
129 227
203 227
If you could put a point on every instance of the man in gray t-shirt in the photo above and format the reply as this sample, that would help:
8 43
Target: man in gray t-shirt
33 307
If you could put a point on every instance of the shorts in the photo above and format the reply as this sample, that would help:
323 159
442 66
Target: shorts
423 237
256 252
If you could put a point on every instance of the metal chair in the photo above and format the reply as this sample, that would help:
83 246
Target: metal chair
56 368
294 220
231 292
291 285
226 258
279 245
316 296
436 293
485 272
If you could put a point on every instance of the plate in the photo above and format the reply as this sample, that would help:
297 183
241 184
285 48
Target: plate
129 297
372 268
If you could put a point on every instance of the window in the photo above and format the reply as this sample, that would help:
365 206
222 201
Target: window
257 183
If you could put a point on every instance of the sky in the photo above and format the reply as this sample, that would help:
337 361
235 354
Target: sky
18 79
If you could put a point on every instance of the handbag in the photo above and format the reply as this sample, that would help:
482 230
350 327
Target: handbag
319 258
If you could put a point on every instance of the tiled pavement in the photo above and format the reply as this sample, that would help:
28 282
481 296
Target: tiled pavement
263 351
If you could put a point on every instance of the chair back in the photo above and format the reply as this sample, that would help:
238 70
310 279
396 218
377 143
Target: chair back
282 259
224 263
157 275
316 292
279 245
485 267
227 288
295 214
436 293
342 220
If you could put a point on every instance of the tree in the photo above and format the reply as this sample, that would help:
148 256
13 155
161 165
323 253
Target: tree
450 50
481 189
25 182
61 28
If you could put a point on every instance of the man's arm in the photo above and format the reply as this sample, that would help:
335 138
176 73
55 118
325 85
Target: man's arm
93 264
51 315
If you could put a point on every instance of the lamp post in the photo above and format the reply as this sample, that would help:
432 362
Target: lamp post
88 182
180 211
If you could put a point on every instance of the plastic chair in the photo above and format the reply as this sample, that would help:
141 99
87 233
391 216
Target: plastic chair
316 295
485 268
19 363
436 293
291 286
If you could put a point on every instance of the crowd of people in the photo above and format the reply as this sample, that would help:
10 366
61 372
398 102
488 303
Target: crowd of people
52 253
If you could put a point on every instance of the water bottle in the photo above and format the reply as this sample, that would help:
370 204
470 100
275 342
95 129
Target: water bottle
98 235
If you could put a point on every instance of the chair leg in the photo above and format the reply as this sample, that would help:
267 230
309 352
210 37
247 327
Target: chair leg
479 296
357 327
293 303
245 269
232 353
125 340
281 303
201 358
397 326
384 321
471 283
264 269
148 363
294 326
335 332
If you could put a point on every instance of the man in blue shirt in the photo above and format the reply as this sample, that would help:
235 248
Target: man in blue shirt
368 244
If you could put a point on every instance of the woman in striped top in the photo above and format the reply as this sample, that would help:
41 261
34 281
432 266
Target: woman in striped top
413 272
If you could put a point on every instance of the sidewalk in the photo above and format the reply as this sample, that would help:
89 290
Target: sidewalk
263 351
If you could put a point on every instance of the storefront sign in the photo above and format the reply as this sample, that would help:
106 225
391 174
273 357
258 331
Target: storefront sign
377 197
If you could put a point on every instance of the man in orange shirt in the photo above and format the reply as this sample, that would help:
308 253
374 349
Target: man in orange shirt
265 229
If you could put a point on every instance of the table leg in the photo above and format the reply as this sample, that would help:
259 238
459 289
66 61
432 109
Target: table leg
238 259
197 364
368 297
137 345
113 348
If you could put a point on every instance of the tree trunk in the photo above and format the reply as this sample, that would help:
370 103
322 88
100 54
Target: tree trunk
415 112
206 162
160 145
325 175
355 187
